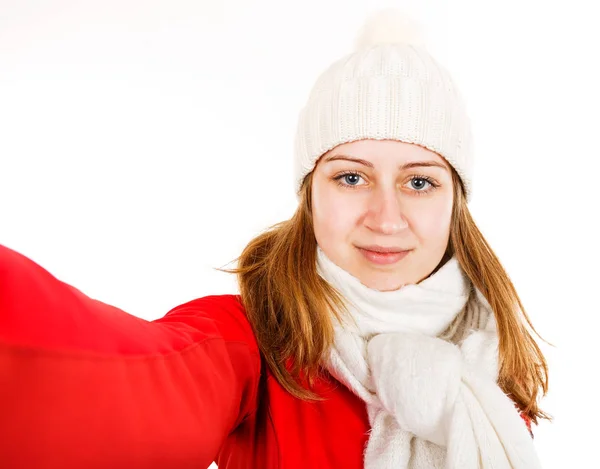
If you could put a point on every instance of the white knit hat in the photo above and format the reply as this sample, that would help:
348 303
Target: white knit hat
390 87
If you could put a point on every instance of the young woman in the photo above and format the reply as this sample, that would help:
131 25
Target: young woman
375 328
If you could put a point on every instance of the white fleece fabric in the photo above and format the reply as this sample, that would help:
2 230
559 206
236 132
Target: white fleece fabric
431 403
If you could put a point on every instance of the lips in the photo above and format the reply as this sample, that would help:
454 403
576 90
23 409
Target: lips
383 256
383 249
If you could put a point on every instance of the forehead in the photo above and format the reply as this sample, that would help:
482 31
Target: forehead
385 151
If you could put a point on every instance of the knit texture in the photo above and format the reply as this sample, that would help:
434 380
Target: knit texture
390 87
424 359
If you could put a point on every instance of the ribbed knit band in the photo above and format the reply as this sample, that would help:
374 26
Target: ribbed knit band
389 91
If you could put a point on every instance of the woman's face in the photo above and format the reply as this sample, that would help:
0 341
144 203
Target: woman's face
370 196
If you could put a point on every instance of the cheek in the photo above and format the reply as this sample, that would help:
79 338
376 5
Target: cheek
433 223
334 215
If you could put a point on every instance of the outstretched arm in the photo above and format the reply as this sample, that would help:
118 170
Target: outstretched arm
85 385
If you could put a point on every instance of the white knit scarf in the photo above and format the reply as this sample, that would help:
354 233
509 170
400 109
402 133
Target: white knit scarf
424 359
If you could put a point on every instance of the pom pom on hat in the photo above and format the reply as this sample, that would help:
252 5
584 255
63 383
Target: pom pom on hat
390 26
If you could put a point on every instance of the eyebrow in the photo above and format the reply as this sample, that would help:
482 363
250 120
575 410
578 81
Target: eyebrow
410 164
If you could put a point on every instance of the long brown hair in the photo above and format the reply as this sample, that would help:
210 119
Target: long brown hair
291 308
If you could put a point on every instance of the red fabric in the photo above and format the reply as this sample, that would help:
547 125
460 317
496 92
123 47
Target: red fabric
84 385
527 421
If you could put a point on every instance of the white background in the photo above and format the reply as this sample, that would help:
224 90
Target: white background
143 143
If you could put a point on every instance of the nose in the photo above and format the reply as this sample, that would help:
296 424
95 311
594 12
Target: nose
384 214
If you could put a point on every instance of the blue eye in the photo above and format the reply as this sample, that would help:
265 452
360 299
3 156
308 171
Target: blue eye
352 179
419 186
349 179
422 182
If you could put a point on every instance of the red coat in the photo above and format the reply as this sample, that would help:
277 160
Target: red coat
85 385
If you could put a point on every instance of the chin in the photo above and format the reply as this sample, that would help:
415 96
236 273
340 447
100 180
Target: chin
381 284
387 287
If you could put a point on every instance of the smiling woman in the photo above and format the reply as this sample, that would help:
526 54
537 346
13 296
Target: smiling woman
375 328
382 280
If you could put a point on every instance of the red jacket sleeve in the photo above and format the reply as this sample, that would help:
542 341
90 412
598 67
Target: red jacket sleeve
86 385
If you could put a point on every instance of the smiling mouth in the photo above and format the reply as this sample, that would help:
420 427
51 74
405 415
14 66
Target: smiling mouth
383 256
383 249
